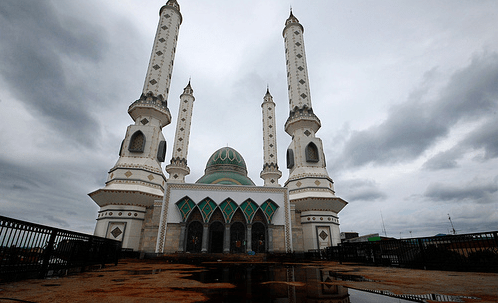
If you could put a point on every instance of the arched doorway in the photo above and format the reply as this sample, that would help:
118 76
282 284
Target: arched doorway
216 236
237 238
258 236
194 237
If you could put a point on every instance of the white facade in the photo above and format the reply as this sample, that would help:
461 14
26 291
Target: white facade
172 228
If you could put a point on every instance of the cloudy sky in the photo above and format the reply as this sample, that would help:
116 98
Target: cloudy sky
407 93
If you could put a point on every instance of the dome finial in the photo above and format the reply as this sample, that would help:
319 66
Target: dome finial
174 4
188 89
291 19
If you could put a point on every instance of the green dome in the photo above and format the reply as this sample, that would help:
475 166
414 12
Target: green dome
226 166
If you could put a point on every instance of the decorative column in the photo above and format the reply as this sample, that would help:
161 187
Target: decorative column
181 245
205 238
249 237
270 173
226 243
178 168
269 241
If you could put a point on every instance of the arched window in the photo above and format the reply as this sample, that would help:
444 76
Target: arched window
137 142
311 152
161 151
290 158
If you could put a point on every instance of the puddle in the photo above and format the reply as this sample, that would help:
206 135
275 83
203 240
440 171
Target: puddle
51 285
281 283
144 271
422 298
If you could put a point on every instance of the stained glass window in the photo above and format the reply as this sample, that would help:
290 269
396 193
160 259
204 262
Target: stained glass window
185 206
249 208
207 207
228 208
269 208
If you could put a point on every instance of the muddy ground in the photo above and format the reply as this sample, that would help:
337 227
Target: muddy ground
160 281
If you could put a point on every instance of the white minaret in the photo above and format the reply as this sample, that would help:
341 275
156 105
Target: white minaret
137 179
311 189
270 173
178 168
160 67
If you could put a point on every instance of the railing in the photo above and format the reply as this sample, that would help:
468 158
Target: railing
469 252
30 250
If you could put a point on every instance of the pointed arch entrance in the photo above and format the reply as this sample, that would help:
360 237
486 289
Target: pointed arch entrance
237 238
194 237
258 236
216 237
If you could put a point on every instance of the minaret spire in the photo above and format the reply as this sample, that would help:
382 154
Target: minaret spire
158 78
137 179
270 173
311 189
178 168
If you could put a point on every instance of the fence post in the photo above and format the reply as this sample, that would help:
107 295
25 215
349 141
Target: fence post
90 253
422 252
47 253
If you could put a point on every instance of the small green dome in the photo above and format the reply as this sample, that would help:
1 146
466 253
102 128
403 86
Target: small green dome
226 166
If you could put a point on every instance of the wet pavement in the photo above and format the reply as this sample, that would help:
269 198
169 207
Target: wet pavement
255 281
298 283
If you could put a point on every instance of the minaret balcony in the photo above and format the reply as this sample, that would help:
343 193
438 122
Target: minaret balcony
152 106
302 118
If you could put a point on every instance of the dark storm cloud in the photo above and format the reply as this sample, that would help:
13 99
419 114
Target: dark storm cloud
18 177
482 138
443 160
485 138
415 125
475 191
361 190
39 56
57 221
46 194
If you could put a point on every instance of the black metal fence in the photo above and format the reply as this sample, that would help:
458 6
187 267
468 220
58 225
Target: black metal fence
31 250
468 252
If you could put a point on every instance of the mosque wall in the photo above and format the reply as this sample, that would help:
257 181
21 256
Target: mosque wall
172 242
278 239
148 238
169 232
297 230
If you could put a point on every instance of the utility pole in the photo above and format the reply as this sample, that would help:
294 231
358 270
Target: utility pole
452 227
383 226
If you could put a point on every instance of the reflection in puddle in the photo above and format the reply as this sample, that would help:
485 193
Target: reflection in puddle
144 272
278 283
422 298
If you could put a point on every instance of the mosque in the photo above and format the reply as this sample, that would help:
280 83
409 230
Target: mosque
224 211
